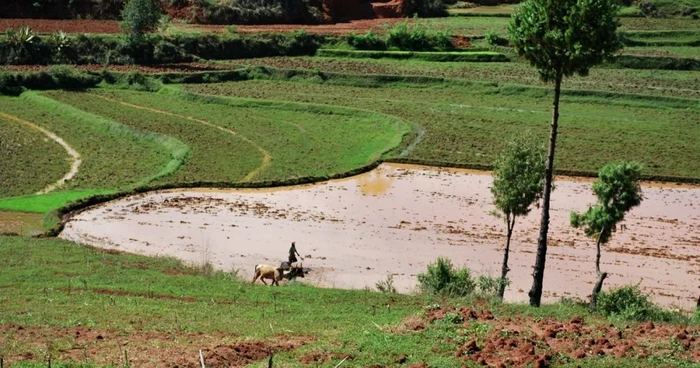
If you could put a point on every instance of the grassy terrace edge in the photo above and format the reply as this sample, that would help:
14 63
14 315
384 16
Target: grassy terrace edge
435 56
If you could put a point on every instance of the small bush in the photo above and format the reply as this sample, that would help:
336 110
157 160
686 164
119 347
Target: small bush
386 285
493 39
442 278
490 285
68 78
426 8
629 303
367 41
9 85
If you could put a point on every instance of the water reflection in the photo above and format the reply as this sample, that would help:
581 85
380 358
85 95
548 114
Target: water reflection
376 182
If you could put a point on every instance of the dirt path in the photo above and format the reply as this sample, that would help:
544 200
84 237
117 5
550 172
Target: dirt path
266 155
396 220
70 150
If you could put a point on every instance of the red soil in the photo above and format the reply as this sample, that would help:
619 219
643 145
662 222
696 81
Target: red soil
144 348
68 26
111 26
521 341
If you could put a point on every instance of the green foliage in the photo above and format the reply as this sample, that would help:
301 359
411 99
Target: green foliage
493 39
443 279
617 190
386 285
426 8
416 36
629 303
140 17
20 45
154 49
565 37
367 41
519 175
489 286
258 12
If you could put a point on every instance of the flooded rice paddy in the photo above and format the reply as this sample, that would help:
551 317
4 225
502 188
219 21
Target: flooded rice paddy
397 219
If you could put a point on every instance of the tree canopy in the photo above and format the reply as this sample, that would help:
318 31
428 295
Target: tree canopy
140 16
518 175
617 190
565 37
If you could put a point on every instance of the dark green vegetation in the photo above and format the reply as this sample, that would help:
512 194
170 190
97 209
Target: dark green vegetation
152 48
459 56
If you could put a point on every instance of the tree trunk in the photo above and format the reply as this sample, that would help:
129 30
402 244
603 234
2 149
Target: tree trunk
504 269
538 272
601 275
596 290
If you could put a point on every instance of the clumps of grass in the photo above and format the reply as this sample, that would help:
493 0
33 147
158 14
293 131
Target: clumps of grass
415 36
367 41
386 285
442 278
629 303
406 36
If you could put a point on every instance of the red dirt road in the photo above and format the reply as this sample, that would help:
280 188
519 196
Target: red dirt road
396 220
110 26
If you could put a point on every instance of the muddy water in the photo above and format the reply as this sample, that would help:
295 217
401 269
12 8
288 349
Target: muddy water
397 219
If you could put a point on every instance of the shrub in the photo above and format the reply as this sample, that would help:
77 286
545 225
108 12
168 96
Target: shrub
493 39
442 278
140 16
367 41
66 77
426 8
416 36
9 85
490 285
386 285
629 303
258 12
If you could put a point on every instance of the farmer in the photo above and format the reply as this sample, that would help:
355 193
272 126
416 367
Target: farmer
292 257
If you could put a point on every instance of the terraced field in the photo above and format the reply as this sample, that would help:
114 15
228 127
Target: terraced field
129 139
467 125
670 83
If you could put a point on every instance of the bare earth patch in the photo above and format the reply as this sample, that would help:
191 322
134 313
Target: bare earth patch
396 220
522 341
144 348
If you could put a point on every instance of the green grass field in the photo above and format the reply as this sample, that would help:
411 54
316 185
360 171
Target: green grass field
97 306
469 125
479 26
112 157
31 160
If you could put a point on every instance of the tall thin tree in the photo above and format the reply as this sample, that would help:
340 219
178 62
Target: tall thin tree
518 179
561 38
618 191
